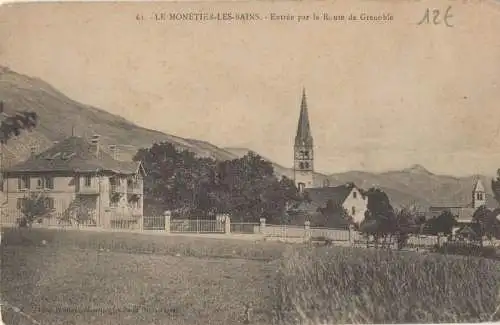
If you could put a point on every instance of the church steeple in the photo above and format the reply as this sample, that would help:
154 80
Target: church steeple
303 136
303 149
478 194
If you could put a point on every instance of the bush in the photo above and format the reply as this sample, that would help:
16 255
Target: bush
468 249
348 286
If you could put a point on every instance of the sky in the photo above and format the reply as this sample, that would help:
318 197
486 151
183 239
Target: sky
381 95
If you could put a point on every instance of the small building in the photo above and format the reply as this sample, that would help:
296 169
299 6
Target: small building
465 212
77 177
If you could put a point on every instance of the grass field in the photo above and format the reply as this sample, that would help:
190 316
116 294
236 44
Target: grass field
102 278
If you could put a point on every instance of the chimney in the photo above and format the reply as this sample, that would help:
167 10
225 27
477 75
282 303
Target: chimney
95 144
33 150
114 151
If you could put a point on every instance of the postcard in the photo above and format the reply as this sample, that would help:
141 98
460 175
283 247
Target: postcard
250 162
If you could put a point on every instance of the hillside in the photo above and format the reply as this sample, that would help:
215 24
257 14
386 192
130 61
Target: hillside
58 114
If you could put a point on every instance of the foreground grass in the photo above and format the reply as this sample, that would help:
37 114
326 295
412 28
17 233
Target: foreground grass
68 286
118 278
136 243
373 286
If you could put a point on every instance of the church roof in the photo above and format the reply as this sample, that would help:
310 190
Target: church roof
303 136
75 154
479 187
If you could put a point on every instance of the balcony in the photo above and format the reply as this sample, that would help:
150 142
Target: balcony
117 188
88 190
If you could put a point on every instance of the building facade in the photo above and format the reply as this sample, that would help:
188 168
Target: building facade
79 183
465 212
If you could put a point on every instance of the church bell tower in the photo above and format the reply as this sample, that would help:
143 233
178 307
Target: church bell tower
303 168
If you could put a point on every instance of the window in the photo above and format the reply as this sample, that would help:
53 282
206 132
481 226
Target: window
23 182
306 165
354 194
353 210
19 203
88 181
306 154
49 182
301 165
46 182
49 203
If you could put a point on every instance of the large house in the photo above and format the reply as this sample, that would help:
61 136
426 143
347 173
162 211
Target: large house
347 196
78 178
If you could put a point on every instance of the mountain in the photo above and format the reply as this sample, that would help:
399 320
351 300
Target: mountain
58 114
412 185
416 184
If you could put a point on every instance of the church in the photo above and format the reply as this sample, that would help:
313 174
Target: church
349 196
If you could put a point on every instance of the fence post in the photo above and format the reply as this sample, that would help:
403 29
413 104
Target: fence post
141 223
227 224
262 226
167 215
307 230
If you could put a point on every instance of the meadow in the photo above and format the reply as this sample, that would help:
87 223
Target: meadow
82 277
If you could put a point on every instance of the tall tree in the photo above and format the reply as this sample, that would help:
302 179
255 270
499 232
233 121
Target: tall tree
246 187
13 125
380 218
442 224
495 186
486 224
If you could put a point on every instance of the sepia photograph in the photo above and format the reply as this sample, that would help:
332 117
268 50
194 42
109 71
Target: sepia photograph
250 162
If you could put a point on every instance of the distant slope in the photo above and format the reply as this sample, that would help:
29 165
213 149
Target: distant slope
58 114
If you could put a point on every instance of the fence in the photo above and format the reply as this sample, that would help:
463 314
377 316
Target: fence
222 225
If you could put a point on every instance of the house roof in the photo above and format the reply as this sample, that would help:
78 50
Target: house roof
464 214
75 154
320 196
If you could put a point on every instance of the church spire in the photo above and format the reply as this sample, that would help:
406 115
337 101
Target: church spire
303 136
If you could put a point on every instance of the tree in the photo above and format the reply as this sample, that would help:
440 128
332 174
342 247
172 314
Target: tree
246 188
35 207
13 125
78 212
442 224
486 224
380 218
334 215
495 186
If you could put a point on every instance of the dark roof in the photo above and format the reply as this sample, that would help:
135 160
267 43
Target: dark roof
74 154
320 196
303 136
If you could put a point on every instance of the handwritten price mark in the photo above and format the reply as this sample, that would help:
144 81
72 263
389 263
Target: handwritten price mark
436 17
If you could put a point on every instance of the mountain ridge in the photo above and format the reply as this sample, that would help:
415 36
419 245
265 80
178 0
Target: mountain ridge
58 114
